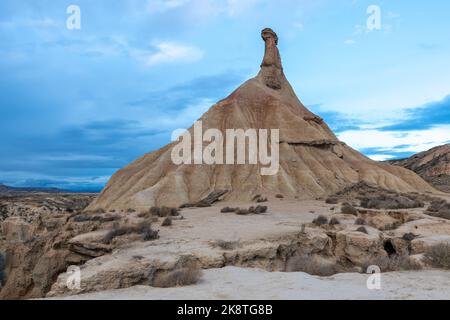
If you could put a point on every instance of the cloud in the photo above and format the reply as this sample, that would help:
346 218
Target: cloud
170 52
337 121
423 117
79 152
372 142
349 42
381 157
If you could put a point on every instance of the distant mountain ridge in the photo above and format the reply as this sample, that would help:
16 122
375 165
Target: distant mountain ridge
8 189
432 165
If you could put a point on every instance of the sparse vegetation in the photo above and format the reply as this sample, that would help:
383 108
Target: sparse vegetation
179 277
316 267
439 255
332 200
390 201
260 209
320 220
409 236
334 221
279 196
363 230
251 210
160 212
360 221
440 209
392 263
242 212
349 209
226 245
166 222
261 199
143 229
86 218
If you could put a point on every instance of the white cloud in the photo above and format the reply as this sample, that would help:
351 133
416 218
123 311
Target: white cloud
380 157
349 42
410 141
169 52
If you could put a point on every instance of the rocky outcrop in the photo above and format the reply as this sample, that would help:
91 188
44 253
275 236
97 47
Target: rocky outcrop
312 161
36 253
432 165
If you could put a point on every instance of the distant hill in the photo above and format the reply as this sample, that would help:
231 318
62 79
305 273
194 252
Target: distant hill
432 165
7 189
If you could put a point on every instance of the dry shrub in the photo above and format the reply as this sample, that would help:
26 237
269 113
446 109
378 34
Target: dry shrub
251 210
320 220
409 236
349 209
334 221
363 230
279 196
95 218
167 222
390 201
143 228
261 199
226 245
260 209
310 265
360 221
228 210
392 263
439 255
440 209
242 212
179 277
332 200
162 212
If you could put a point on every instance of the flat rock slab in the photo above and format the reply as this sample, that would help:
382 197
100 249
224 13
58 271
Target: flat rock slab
232 283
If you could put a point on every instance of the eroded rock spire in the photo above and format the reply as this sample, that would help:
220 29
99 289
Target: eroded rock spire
271 67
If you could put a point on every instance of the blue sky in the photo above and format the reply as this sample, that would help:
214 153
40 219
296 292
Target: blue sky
77 105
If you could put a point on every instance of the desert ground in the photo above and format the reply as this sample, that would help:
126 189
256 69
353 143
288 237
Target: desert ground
285 249
227 283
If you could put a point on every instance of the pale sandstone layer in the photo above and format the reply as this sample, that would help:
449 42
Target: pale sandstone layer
313 162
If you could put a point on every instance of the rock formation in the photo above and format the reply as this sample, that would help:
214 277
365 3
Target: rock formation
313 162
432 165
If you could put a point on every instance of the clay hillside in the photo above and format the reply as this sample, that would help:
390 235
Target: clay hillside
313 162
432 165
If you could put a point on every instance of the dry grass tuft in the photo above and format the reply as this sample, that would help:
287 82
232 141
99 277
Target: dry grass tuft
143 229
439 256
349 209
393 263
320 221
334 221
179 277
307 264
226 245
166 222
